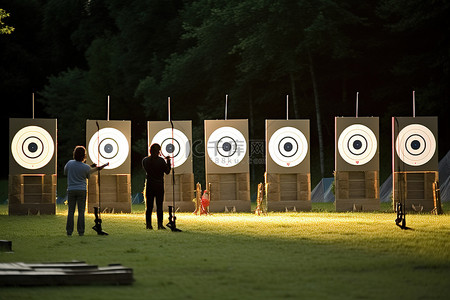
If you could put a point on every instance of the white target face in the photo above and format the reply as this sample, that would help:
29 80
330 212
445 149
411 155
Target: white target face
178 147
32 147
415 145
288 147
357 144
108 145
226 146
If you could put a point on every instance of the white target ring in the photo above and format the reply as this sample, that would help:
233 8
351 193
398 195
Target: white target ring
178 147
288 147
32 147
357 144
108 145
226 147
415 145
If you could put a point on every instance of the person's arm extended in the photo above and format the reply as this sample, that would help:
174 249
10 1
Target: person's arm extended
168 165
94 168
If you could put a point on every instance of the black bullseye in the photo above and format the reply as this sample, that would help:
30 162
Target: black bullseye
32 147
108 148
170 148
415 144
357 144
226 146
288 147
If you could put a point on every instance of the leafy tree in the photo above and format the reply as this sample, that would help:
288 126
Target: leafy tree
245 46
4 29
422 63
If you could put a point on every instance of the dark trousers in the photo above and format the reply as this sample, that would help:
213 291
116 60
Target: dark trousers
151 194
76 198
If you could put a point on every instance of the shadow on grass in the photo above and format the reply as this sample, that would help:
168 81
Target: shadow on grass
228 256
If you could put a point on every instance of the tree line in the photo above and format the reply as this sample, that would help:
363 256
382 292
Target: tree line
319 52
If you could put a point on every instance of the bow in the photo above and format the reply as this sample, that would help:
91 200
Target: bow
172 219
98 220
400 221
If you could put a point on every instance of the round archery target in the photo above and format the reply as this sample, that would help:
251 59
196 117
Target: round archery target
415 145
178 147
32 147
226 146
288 147
357 144
108 145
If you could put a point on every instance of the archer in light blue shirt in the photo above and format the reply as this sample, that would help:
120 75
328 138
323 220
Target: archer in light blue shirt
77 172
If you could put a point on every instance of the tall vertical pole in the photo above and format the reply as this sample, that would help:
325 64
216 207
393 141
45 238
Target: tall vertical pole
287 107
32 104
107 113
168 108
357 103
414 104
226 105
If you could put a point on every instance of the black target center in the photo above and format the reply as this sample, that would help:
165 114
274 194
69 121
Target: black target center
357 144
32 147
226 146
288 146
170 148
415 144
108 148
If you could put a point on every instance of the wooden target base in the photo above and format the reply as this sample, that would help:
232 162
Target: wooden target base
416 188
115 193
288 192
31 194
184 192
229 192
357 191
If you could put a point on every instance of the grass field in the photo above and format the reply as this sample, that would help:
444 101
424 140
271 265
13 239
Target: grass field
314 255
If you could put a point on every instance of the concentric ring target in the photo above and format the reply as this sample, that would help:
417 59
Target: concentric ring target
32 147
415 145
108 145
288 147
177 147
226 146
357 144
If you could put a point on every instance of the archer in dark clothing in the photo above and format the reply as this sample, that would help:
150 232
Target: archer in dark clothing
155 167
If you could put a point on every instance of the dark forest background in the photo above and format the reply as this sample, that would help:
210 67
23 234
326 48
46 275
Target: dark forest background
73 53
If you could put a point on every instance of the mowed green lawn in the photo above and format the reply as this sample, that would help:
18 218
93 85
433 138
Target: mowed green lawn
313 255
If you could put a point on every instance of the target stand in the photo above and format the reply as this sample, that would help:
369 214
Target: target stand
357 185
288 165
415 161
178 146
32 166
227 165
110 144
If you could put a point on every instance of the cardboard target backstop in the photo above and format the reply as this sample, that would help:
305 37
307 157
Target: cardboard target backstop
288 165
32 166
178 145
109 142
357 185
227 164
414 161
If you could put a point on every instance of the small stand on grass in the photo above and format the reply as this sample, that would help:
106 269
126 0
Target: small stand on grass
260 201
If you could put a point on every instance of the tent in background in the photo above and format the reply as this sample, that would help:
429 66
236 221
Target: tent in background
386 190
322 192
444 170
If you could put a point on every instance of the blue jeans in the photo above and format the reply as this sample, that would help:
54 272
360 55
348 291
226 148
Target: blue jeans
76 198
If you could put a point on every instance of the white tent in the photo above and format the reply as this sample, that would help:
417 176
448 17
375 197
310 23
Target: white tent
386 190
322 192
